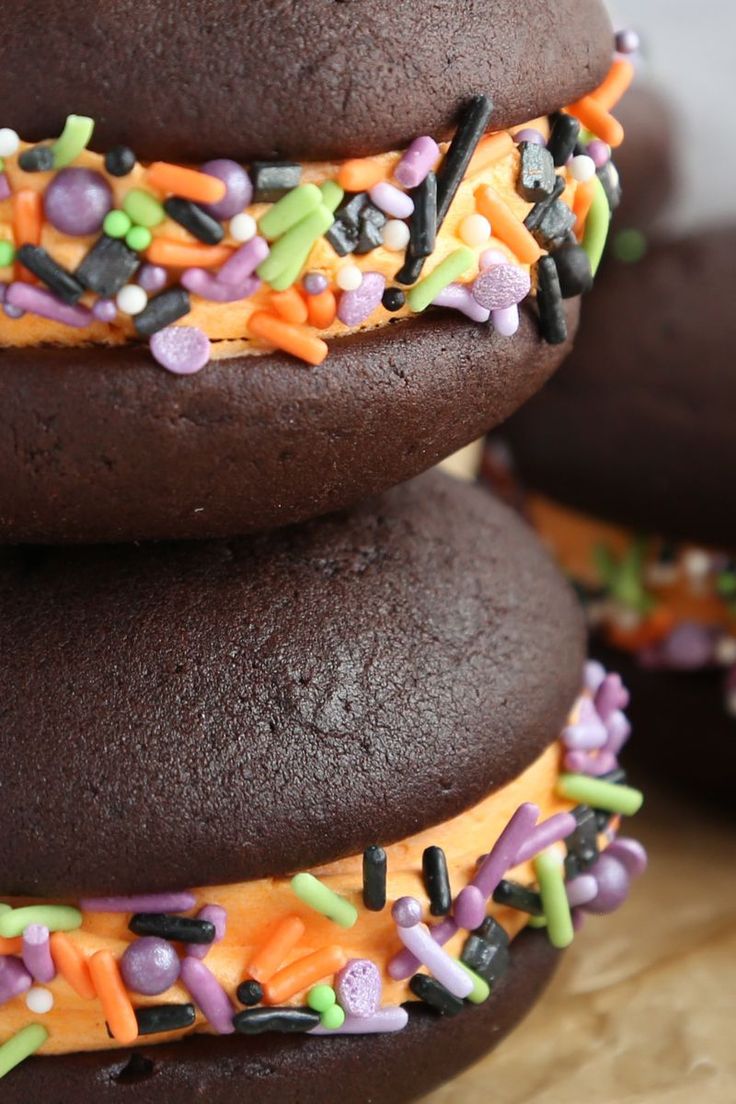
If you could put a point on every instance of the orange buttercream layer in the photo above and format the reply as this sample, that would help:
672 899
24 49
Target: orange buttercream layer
226 324
253 908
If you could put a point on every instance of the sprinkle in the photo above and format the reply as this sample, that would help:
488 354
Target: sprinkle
423 230
501 286
273 179
243 227
613 883
107 267
178 254
77 201
436 995
582 168
161 311
37 159
519 897
39 1001
581 890
322 309
357 306
598 152
580 787
290 306
138 239
21 1046
372 222
493 932
490 149
453 266
563 139
250 993
394 299
627 41
503 854
418 940
131 299
556 828
406 912
152 278
349 277
553 321
537 177
506 226
74 138
596 119
584 196
5 189
157 1018
150 966
209 996
472 126
289 254
321 997
116 224
72 965
474 230
551 221
404 964
392 200
489 961
358 987
582 843
271 954
332 1018
384 1021
317 896
359 175
481 990
550 876
616 84
182 350
315 283
200 224
470 907
27 217
418 160
289 211
238 188
303 973
9 142
120 161
375 865
37 954
56 278
332 194
396 235
285 1021
243 262
143 209
200 187
295 340
14 978
113 997
530 134
54 917
630 853
437 881
573 270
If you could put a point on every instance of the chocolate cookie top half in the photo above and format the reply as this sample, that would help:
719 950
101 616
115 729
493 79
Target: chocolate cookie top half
215 712
638 426
315 80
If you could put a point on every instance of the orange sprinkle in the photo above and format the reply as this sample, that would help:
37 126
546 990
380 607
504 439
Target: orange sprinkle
491 149
11 946
304 973
72 965
292 339
113 997
188 183
584 196
290 306
616 84
360 175
282 939
506 226
598 120
27 225
176 254
322 309
653 629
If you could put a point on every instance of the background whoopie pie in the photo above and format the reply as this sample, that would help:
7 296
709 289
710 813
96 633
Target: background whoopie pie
127 218
372 700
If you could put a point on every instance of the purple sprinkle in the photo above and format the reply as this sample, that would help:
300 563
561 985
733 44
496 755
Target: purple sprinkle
358 987
182 350
529 134
470 908
5 189
599 152
404 964
104 310
77 200
203 283
12 312
503 854
593 675
244 261
441 966
14 978
3 292
216 915
581 890
552 830
406 912
613 881
381 1022
630 853
239 188
356 306
594 763
418 161
37 954
314 283
588 732
459 297
392 200
152 277
38 301
146 902
505 321
150 966
207 993
490 257
502 286
611 696
627 41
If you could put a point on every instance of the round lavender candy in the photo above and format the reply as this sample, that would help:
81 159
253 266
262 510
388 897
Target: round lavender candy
77 200
183 350
239 188
358 987
613 884
150 966
356 306
502 286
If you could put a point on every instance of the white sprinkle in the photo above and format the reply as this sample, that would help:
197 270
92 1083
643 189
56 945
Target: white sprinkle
475 230
396 235
39 1000
349 277
582 168
9 142
696 563
725 651
243 227
131 299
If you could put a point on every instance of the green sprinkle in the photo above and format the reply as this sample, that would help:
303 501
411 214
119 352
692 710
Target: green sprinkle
138 238
143 208
116 224
74 138
7 253
599 794
597 226
2 163
316 894
481 990
295 245
21 1046
629 246
332 1018
5 908
321 997
292 272
332 194
290 210
551 879
537 922
54 917
428 289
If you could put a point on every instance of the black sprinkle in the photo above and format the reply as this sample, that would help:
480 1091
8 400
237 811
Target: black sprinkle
423 229
164 1017
195 219
56 278
617 777
393 299
161 311
273 179
374 877
343 238
608 176
108 266
37 159
488 960
435 995
351 208
573 270
437 881
371 230
582 844
256 1021
563 139
120 160
551 221
493 932
519 897
250 993
537 213
180 928
602 819
537 174
553 322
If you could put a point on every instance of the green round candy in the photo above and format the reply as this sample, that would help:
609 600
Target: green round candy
7 253
321 998
333 1018
143 208
138 239
116 224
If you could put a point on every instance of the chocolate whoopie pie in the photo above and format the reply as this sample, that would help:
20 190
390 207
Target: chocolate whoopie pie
214 255
634 451
340 731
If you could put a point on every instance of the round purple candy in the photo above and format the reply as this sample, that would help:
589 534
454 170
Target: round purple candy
105 310
358 987
238 184
183 350
150 966
152 277
529 134
315 283
14 978
77 200
629 852
613 885
406 912
599 152
627 41
501 286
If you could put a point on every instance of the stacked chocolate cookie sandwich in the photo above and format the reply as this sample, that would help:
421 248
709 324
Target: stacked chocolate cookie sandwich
308 813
